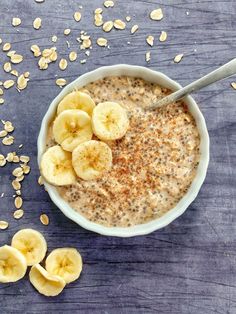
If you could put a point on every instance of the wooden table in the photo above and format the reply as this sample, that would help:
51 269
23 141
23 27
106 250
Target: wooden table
189 266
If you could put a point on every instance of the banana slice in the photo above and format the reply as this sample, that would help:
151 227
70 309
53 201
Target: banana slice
71 128
31 244
56 166
109 121
76 100
65 262
45 283
91 159
12 264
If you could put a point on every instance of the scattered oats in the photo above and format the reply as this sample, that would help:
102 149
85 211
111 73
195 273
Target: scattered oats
86 42
98 21
98 11
18 213
44 219
128 18
233 84
3 224
8 83
43 63
14 72
7 67
26 168
102 42
163 36
10 157
16 185
72 56
150 40
8 126
178 58
1 101
6 47
11 53
18 202
27 74
16 58
40 180
83 61
77 16
134 29
108 4
16 159
107 26
1 91
156 15
24 158
67 31
63 64
53 56
20 178
22 82
148 56
54 38
119 24
3 133
46 52
36 50
17 172
2 160
61 82
37 23
16 21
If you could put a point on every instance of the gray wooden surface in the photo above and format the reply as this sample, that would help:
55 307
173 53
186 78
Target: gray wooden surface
189 266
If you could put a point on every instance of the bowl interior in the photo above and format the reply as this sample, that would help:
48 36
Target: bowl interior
151 76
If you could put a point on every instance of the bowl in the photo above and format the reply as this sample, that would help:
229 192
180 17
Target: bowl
182 205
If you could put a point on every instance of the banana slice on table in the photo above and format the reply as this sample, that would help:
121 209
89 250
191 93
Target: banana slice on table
31 244
12 264
46 284
64 262
76 100
109 121
56 166
91 159
71 128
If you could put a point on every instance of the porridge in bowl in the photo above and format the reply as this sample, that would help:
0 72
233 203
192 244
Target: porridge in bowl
149 167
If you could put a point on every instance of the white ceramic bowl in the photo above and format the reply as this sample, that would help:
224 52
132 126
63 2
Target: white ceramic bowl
148 75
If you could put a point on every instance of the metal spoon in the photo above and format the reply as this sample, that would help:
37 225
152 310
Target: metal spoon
222 72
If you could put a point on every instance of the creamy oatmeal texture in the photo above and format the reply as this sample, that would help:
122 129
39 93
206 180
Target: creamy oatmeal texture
153 164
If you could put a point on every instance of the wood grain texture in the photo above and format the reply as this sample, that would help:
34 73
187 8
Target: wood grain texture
187 267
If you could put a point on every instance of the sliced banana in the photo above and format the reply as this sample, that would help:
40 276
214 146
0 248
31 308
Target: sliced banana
31 244
12 264
56 166
71 128
76 100
91 159
64 262
46 284
109 121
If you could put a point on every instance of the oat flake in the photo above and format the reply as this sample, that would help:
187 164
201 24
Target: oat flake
18 202
72 56
134 29
6 47
37 23
44 219
108 4
107 26
18 213
61 82
16 58
8 83
8 140
77 16
163 36
102 42
3 224
178 58
119 24
16 21
150 40
233 84
156 15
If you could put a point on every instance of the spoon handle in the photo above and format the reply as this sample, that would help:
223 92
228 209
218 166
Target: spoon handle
222 72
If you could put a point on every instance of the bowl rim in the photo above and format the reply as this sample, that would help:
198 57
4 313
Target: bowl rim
186 200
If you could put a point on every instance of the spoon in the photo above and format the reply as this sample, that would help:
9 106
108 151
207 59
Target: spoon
221 73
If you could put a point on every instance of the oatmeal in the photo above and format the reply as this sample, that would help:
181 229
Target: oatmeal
153 164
